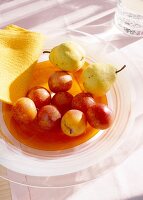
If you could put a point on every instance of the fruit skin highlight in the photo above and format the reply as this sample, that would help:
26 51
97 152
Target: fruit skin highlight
98 78
100 116
60 81
24 110
73 123
49 117
68 56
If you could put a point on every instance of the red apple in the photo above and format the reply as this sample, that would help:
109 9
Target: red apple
99 116
83 101
48 117
24 110
62 100
40 95
60 81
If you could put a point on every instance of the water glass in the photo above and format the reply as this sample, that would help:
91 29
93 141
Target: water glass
129 17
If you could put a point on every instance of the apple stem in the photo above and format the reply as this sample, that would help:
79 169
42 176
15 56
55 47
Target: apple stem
46 51
120 69
70 129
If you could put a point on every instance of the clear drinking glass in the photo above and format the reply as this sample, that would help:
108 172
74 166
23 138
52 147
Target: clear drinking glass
129 17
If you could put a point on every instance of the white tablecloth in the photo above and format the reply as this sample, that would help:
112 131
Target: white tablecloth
95 17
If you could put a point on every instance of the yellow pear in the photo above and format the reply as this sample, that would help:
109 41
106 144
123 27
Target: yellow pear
68 56
98 78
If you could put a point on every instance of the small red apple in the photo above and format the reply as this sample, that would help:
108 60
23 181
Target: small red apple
82 101
62 100
60 81
40 95
24 110
100 116
49 117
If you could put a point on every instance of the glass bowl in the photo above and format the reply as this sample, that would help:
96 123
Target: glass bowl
36 168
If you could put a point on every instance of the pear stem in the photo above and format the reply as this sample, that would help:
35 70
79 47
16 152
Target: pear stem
46 51
120 69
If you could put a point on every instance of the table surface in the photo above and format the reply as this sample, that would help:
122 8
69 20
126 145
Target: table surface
5 193
82 15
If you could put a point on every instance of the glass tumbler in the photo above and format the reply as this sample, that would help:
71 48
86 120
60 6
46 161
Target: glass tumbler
129 17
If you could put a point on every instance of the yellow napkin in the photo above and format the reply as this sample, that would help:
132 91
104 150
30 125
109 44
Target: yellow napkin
19 51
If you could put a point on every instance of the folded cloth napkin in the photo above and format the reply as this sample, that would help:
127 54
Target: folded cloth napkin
19 51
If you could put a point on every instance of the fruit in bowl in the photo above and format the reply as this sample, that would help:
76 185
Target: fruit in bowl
68 56
63 101
60 81
93 144
73 123
98 78
48 117
69 106
100 116
24 110
40 96
82 101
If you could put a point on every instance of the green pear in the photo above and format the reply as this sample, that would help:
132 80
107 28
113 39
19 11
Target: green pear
98 78
68 56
